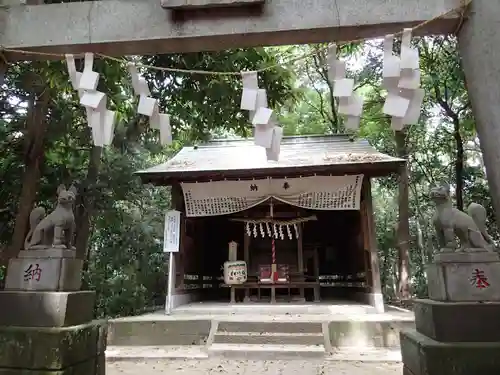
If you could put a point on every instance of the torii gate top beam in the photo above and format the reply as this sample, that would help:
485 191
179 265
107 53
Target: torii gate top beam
139 27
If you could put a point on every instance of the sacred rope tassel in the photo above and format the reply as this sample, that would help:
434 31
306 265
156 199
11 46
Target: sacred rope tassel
281 232
255 233
289 231
275 230
268 228
296 230
262 233
249 231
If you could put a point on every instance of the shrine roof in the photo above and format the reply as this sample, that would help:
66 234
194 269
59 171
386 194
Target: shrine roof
300 155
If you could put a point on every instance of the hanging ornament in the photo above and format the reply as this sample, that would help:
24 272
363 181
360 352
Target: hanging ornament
275 230
262 233
268 228
99 118
267 133
149 106
249 231
350 103
296 227
281 232
401 78
289 232
255 233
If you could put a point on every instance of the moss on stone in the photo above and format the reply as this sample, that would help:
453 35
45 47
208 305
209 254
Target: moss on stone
51 348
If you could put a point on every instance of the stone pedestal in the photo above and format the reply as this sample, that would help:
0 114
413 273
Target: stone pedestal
47 327
49 269
458 329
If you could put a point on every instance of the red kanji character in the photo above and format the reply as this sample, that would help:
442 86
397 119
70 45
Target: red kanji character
479 279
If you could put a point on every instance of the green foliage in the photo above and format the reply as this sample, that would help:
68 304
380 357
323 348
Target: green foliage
125 263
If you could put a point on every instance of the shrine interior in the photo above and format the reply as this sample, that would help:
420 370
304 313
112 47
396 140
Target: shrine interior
332 252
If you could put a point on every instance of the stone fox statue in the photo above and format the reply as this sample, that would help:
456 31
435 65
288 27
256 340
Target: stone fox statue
57 228
449 222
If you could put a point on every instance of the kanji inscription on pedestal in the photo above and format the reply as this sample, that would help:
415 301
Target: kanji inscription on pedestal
479 279
33 272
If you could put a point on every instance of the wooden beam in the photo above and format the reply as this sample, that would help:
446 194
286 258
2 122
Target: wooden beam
141 27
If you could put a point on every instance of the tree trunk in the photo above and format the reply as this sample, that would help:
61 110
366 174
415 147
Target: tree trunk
36 124
459 164
86 205
403 230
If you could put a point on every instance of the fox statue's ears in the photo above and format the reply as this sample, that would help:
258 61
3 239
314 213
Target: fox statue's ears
60 188
72 189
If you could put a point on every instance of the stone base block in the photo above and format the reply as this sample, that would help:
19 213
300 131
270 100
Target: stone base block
44 274
47 253
93 366
464 277
46 309
425 356
52 350
458 321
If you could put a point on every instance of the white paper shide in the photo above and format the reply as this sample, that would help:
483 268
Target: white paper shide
171 232
350 103
401 79
267 133
148 106
99 118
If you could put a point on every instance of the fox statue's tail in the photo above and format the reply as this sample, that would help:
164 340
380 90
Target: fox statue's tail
478 214
36 216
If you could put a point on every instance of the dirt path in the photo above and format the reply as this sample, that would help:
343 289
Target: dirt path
237 367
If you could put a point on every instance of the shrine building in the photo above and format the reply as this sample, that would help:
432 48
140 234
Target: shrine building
310 214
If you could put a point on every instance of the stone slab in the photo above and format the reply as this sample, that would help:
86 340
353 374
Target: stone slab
53 349
458 321
466 257
93 366
46 309
155 333
138 27
200 4
47 253
458 282
44 274
425 356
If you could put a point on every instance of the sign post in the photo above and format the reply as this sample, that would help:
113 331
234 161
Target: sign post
171 236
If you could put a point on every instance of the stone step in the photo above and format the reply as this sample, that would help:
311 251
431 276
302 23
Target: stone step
271 327
261 309
139 353
145 353
266 352
267 338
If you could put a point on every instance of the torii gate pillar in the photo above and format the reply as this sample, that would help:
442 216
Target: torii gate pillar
457 331
479 41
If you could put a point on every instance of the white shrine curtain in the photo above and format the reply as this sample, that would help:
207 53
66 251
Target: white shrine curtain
315 192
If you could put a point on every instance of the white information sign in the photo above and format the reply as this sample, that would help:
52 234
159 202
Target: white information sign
172 232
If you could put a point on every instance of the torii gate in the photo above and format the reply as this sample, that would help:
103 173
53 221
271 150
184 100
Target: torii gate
135 27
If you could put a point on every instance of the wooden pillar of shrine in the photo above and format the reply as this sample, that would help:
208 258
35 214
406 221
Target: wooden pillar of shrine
376 297
246 258
178 204
300 260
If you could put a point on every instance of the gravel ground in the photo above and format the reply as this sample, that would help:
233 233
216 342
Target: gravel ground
237 367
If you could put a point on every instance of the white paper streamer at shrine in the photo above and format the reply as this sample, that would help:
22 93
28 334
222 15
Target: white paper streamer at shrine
401 78
267 133
315 192
148 106
350 103
99 118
